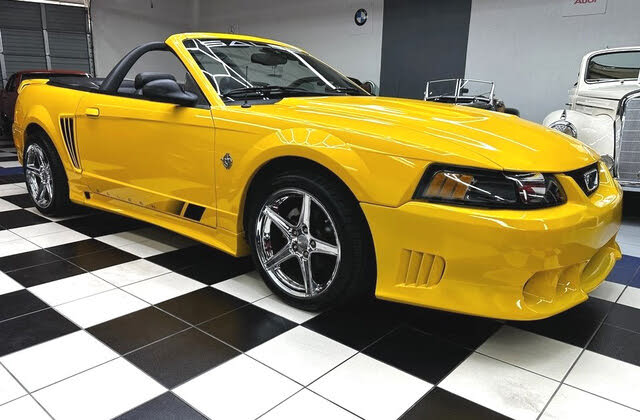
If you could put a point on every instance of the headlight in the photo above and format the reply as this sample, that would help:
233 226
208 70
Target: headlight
565 127
608 161
485 188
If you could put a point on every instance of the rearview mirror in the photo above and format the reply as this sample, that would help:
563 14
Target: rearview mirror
268 59
167 90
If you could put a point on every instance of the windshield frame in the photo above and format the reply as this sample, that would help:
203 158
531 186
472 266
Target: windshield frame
194 43
600 81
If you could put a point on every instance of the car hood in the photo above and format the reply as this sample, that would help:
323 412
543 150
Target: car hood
436 132
614 92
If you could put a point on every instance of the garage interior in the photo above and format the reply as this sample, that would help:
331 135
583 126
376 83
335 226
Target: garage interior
103 316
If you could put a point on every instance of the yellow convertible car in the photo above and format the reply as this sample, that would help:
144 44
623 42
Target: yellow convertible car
254 146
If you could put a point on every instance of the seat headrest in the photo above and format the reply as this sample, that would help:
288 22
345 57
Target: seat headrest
148 76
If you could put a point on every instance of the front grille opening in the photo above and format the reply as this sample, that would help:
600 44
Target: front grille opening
588 178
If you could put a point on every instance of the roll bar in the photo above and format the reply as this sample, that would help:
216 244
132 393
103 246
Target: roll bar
114 79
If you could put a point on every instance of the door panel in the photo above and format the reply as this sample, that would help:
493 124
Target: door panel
148 153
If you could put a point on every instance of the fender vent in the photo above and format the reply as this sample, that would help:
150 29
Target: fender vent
419 269
67 127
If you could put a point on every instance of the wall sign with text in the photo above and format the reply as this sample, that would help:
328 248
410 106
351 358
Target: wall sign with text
584 7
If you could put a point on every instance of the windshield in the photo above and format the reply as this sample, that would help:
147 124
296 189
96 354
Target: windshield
613 66
242 70
459 88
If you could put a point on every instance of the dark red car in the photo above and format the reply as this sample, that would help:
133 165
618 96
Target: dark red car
9 94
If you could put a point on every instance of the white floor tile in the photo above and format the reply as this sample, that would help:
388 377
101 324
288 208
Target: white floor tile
7 236
102 307
71 288
100 393
130 272
301 354
630 297
8 285
277 306
17 246
53 218
10 389
25 408
571 403
147 248
122 238
610 378
6 206
630 249
371 389
531 351
248 287
10 189
305 404
59 238
501 387
57 359
38 230
164 287
10 164
608 290
238 389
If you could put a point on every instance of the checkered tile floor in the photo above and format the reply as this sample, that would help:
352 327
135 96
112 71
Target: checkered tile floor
104 317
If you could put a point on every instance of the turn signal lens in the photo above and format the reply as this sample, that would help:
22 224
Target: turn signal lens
483 188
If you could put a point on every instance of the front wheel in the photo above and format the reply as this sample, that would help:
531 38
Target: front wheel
310 242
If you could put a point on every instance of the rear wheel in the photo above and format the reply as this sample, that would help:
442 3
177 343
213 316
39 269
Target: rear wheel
309 241
45 177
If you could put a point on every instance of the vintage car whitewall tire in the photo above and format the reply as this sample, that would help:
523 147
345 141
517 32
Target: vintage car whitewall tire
310 241
46 179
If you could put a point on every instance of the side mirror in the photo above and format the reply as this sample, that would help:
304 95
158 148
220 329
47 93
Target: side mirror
167 90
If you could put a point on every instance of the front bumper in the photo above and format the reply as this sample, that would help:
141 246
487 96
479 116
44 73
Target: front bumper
508 264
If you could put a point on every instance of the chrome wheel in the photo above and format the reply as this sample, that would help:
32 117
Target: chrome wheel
297 243
39 176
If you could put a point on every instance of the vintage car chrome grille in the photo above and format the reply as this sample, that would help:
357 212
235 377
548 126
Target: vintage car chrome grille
627 153
588 178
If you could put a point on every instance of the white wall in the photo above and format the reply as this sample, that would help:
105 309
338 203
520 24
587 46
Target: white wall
121 25
324 28
533 53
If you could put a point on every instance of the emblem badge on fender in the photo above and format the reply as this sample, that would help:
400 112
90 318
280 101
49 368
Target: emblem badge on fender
227 161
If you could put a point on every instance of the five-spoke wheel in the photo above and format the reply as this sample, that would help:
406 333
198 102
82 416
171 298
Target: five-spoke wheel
39 176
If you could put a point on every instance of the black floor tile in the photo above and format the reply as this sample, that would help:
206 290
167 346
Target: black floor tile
20 200
426 356
213 272
19 303
181 357
624 316
575 326
468 331
164 407
625 270
76 249
134 330
247 327
100 224
187 257
26 259
35 328
441 404
19 218
45 273
357 325
617 343
201 305
107 258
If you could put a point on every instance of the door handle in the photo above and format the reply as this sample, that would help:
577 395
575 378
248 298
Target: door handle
92 112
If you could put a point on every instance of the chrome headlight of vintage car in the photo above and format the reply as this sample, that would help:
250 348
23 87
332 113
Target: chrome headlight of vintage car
565 127
608 161
485 188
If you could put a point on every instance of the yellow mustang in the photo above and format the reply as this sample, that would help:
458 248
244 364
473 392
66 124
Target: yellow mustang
254 146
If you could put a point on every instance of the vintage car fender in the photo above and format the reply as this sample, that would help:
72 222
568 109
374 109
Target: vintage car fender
596 131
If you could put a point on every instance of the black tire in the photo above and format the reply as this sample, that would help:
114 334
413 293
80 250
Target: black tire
355 276
60 204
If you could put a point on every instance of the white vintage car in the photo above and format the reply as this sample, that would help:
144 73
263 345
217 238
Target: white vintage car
604 111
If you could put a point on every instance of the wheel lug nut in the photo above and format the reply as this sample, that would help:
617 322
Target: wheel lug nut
304 229
306 254
312 243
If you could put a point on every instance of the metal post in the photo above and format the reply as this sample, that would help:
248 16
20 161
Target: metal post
45 35
3 64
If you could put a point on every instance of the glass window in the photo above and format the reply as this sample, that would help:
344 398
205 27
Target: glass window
241 70
613 66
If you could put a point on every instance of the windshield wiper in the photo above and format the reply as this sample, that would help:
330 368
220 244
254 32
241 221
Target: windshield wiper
257 90
341 89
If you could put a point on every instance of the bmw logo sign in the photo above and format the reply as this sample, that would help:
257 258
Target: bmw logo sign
360 17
